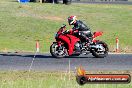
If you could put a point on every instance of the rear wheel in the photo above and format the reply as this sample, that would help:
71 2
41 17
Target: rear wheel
58 51
101 51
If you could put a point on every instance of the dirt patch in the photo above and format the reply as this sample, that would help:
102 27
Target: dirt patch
130 8
38 16
27 11
24 6
54 18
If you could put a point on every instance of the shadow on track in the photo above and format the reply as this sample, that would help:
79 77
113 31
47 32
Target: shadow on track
80 56
42 56
10 55
38 56
30 55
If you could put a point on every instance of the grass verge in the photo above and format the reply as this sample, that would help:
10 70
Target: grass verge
34 79
22 24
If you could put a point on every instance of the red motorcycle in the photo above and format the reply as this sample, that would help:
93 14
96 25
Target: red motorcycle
67 45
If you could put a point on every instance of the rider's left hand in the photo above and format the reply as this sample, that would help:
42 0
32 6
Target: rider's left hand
67 31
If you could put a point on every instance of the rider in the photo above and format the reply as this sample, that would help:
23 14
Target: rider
83 31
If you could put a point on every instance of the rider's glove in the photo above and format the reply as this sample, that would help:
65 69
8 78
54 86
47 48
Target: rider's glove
63 26
67 31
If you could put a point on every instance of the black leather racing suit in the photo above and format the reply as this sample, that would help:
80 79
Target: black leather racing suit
83 31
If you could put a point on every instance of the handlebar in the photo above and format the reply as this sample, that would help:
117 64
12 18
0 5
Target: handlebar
66 32
63 26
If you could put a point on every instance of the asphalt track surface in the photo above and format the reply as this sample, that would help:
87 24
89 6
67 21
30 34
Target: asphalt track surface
45 62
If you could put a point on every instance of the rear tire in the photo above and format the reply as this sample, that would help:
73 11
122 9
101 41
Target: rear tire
106 49
58 53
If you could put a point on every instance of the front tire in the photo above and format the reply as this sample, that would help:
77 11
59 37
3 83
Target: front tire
58 52
97 53
75 54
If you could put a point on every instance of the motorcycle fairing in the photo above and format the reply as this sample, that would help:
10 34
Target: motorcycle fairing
96 34
70 40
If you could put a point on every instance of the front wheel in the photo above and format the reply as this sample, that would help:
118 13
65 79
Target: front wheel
75 54
101 50
58 51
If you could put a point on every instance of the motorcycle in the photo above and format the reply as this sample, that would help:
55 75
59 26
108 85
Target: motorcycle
67 44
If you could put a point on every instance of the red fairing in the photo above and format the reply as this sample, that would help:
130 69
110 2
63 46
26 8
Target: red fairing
61 30
70 40
97 34
95 40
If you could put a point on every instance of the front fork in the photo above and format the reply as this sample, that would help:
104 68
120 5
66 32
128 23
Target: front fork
59 43
62 47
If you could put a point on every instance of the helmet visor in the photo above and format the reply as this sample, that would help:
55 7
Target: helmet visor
70 21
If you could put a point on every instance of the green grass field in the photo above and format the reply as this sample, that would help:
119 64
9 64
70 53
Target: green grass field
24 79
22 24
